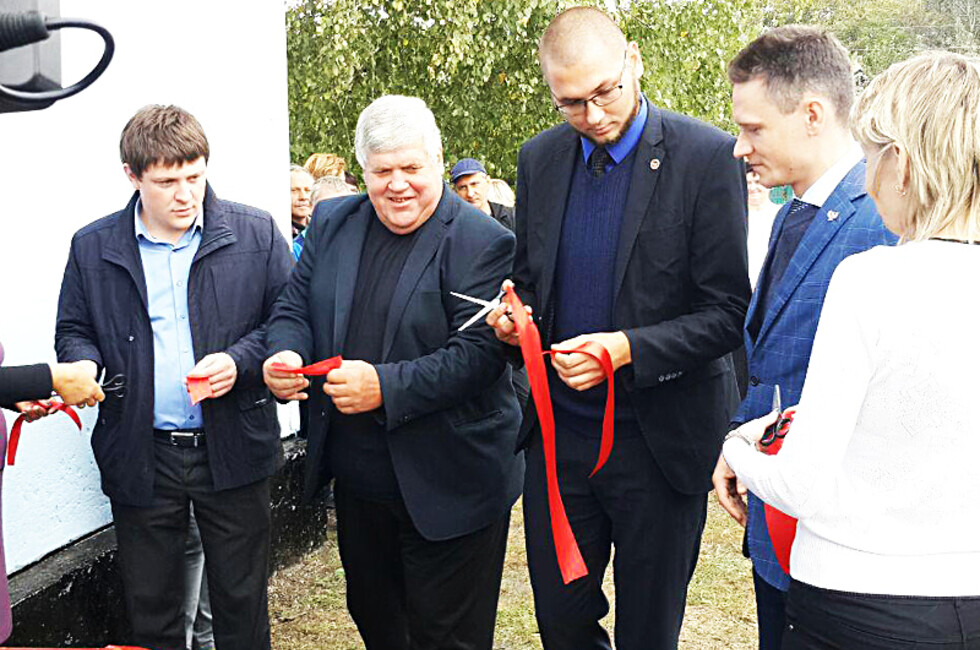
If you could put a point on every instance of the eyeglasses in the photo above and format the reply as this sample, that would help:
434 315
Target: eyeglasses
576 107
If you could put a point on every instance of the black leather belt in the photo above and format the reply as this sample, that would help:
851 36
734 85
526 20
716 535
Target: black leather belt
181 437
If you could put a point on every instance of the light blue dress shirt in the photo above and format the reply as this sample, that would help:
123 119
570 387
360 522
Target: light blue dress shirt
167 268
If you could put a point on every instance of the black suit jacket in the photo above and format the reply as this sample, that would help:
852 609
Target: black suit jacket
449 409
681 281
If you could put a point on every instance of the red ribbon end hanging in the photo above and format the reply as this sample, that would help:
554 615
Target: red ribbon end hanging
782 527
570 561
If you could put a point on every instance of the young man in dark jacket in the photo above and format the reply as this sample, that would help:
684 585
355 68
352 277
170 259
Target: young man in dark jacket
178 285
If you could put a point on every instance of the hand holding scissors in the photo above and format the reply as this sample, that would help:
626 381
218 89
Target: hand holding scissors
778 429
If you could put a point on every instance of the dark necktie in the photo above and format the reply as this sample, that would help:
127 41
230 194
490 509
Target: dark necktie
798 206
795 225
598 161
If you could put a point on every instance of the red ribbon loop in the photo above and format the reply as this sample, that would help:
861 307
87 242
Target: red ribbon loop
19 423
570 560
318 368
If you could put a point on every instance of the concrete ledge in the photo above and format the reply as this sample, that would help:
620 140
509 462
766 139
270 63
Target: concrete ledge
74 596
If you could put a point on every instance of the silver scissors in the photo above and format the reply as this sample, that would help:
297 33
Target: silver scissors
778 429
115 384
488 306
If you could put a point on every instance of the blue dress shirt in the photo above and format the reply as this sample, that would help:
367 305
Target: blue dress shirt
625 145
167 268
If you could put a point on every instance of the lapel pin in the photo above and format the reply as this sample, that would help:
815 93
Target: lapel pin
832 215
655 164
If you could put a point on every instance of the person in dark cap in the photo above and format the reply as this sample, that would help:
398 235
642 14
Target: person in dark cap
472 183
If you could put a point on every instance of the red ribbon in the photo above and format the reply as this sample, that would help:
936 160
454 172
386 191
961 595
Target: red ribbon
199 388
108 647
318 368
19 422
569 557
782 527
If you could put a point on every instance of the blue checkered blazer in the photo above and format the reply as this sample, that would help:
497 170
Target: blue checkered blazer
846 224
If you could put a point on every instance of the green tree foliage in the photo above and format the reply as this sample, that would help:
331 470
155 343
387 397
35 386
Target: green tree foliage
474 62
686 48
881 32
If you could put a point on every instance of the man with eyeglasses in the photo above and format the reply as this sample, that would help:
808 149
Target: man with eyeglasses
630 233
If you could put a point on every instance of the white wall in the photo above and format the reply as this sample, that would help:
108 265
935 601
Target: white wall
222 60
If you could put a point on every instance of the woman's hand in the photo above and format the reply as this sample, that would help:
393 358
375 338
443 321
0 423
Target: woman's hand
35 410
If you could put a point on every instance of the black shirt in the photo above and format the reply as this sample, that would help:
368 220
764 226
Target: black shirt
359 454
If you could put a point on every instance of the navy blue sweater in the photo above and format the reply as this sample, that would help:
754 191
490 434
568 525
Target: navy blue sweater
584 291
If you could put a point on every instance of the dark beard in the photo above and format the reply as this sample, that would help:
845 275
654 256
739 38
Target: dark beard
629 120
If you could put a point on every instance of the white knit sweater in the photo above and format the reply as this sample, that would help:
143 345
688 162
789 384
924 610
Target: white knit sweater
881 462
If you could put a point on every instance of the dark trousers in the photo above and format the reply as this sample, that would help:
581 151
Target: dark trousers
824 619
770 604
405 592
234 527
628 504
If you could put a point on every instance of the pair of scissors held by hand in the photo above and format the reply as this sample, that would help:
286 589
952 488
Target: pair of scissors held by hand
115 384
488 306
778 429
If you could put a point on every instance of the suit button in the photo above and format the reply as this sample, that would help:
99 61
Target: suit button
661 377
754 381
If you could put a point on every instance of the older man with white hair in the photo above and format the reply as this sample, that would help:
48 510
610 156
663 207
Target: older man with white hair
418 424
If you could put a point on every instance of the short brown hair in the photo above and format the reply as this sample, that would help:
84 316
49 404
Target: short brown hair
793 59
162 135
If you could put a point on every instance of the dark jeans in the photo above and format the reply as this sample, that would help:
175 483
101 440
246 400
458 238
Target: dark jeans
405 592
825 619
770 604
630 505
234 526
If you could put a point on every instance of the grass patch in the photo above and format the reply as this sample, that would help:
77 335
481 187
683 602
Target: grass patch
308 611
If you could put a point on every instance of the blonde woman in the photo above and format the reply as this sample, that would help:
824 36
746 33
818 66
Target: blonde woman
880 463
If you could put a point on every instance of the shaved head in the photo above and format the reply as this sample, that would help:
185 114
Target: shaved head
579 34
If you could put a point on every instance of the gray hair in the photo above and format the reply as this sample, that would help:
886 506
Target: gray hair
329 187
294 168
394 122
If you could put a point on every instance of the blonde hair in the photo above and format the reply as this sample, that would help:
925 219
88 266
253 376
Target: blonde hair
929 106
500 192
325 164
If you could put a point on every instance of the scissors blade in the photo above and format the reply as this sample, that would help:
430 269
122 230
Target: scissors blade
777 400
477 316
478 301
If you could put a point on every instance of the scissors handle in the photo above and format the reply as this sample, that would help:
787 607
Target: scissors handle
777 430
116 384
